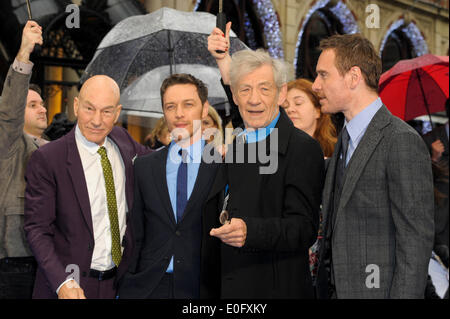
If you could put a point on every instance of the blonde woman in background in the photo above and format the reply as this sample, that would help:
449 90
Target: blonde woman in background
159 136
212 127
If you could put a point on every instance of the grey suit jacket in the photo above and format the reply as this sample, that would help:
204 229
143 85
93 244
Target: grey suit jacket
15 149
384 228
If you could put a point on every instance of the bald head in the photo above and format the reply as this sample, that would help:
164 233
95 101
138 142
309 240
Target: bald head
100 83
97 108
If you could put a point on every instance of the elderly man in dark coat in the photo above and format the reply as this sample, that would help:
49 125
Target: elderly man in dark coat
273 176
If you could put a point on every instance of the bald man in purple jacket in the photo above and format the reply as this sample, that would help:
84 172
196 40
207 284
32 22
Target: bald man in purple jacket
77 200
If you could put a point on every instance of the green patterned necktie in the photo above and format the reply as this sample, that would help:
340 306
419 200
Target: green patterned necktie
112 206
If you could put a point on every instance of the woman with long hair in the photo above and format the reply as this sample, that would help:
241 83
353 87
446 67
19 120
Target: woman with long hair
303 108
212 127
159 136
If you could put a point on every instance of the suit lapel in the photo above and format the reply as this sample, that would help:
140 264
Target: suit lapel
360 157
205 173
126 153
76 173
159 172
220 181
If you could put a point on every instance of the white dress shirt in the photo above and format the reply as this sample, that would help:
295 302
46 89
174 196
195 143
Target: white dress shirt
93 172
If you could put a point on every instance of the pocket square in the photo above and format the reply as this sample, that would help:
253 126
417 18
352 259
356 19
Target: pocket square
132 160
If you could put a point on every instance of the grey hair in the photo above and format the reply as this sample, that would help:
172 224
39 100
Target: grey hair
246 61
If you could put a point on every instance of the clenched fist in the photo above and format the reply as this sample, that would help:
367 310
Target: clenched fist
31 35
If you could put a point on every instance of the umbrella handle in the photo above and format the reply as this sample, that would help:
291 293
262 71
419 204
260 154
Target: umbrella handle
221 22
37 48
424 97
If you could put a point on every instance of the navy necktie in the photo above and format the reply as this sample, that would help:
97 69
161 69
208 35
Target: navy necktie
182 175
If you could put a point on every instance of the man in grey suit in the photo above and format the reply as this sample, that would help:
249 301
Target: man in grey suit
378 194
23 119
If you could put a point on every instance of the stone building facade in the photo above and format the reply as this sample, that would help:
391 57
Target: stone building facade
429 18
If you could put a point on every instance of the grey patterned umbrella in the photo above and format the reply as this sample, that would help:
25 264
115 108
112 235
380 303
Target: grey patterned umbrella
148 48
142 98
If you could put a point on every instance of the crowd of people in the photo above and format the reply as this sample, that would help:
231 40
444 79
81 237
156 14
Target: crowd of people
275 204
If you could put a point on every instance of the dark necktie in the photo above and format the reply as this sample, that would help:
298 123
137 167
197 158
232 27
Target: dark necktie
340 173
341 163
182 185
116 251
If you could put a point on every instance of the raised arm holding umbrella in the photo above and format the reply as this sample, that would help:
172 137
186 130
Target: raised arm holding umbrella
37 47
22 120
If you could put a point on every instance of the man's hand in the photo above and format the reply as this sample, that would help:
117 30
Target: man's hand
31 35
219 41
437 148
71 290
233 233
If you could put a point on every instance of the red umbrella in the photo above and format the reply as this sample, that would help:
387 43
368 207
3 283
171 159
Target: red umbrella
416 87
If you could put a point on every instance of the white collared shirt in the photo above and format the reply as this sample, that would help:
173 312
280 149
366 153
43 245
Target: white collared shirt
93 172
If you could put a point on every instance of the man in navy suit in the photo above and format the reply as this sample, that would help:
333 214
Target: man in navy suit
170 228
79 189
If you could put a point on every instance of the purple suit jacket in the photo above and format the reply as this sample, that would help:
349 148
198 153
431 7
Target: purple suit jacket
58 221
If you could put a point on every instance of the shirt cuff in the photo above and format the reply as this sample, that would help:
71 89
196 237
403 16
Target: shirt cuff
22 67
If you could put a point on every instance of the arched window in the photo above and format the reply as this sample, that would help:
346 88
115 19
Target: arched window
321 25
398 47
402 41
324 19
64 49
